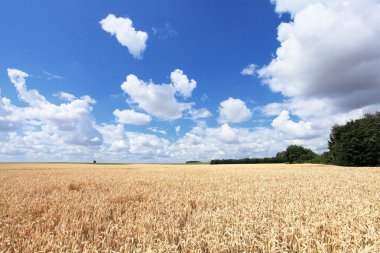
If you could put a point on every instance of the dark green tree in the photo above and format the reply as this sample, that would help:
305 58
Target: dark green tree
324 158
298 154
281 156
357 143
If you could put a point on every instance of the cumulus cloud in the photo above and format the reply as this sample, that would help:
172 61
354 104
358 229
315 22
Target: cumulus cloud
65 96
199 113
155 99
326 67
234 111
226 133
6 122
182 84
250 70
148 145
32 97
157 130
131 117
68 132
72 120
300 129
203 143
329 51
126 34
116 143
293 7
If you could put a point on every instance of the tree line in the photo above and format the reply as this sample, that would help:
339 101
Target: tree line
357 143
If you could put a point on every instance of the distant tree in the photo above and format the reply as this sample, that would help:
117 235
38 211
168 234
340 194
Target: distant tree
94 161
357 143
190 162
248 160
281 156
298 154
324 158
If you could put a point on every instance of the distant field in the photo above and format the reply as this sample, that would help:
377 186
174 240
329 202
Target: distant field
188 208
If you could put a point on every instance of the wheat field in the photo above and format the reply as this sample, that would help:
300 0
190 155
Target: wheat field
188 208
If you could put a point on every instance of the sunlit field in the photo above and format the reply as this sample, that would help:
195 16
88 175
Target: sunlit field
188 208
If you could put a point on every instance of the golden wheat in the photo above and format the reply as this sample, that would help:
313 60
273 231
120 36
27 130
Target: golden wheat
188 208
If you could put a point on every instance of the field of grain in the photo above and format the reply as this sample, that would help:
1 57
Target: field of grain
188 208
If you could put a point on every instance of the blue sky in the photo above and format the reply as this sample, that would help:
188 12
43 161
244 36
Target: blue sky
65 95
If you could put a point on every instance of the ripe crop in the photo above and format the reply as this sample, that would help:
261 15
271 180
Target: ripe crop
188 208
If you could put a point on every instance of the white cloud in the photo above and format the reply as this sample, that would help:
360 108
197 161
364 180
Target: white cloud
293 7
250 70
148 146
67 132
6 123
326 67
32 97
177 129
234 111
292 129
126 34
73 121
199 113
65 96
329 52
272 109
203 143
51 76
182 84
226 134
131 117
157 100
116 143
156 130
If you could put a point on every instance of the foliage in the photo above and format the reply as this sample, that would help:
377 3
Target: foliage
298 154
249 160
324 158
281 156
357 143
190 162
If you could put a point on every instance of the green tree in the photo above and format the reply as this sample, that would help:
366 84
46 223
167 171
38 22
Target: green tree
324 158
357 143
281 156
298 154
